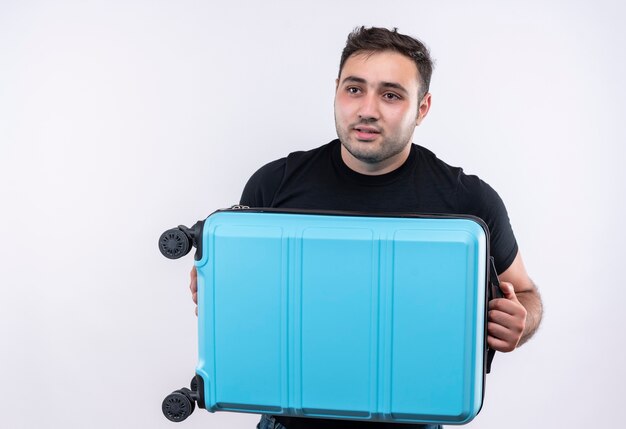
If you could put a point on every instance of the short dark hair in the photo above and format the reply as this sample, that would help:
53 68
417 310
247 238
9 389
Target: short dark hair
376 39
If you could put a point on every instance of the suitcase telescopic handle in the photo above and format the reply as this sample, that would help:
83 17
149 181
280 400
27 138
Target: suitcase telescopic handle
177 242
494 281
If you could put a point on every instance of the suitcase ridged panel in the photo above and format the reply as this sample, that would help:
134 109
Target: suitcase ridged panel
430 354
252 380
337 268
301 350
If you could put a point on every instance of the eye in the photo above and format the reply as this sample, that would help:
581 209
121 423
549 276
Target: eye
353 90
391 96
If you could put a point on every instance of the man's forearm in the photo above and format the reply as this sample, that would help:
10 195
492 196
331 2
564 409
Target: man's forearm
531 300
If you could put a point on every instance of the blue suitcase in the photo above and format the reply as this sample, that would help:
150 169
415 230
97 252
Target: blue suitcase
338 315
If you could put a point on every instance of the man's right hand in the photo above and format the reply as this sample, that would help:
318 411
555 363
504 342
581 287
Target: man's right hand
193 285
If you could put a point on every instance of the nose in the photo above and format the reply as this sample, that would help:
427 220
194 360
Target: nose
368 110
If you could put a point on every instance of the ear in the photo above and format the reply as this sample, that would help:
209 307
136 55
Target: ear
423 108
336 84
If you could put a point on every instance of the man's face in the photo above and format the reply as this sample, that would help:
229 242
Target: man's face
376 110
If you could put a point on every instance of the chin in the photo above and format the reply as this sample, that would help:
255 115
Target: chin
369 157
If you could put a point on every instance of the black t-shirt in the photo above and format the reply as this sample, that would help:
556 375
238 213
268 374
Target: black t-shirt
319 179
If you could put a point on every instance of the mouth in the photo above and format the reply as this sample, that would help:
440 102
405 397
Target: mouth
366 132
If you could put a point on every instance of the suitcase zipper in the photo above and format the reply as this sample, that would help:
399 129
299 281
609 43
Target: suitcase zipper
357 214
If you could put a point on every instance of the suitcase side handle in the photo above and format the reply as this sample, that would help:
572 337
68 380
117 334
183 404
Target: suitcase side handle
493 292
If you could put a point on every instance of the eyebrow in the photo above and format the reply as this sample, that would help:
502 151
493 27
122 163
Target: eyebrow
393 85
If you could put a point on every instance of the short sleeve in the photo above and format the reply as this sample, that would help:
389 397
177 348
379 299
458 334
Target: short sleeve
263 184
477 198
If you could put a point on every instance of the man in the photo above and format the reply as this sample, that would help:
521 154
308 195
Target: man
381 96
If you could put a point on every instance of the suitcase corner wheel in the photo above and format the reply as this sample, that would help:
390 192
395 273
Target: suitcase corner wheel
177 242
174 243
179 405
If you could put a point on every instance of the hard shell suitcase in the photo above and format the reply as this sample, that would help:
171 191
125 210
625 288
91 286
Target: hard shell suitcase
338 315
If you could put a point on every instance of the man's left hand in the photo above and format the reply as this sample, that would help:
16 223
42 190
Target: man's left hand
506 320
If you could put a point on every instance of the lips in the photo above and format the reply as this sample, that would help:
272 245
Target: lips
366 132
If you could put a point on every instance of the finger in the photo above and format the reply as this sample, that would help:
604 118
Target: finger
500 317
514 308
500 345
514 324
508 290
498 331
193 284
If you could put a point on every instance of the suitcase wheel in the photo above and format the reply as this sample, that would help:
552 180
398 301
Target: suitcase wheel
178 405
174 243
194 384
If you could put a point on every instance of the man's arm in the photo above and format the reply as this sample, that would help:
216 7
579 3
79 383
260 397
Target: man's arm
515 318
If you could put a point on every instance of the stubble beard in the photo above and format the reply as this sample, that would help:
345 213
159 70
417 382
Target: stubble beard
380 151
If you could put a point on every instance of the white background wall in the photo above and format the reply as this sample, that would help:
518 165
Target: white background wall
119 119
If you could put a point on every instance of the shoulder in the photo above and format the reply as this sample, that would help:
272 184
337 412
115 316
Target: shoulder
476 195
260 189
478 198
434 165
469 188
271 171
263 185
471 195
296 160
437 175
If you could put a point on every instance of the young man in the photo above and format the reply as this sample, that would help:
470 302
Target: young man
381 96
